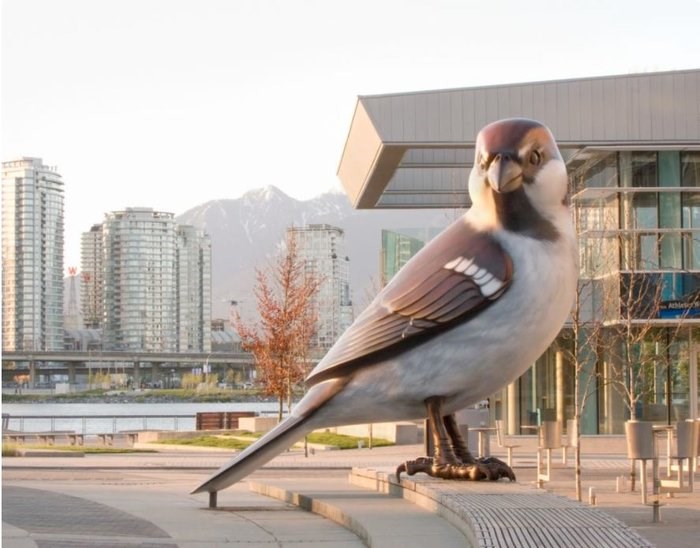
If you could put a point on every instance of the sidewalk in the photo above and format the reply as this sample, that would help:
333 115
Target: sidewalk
143 499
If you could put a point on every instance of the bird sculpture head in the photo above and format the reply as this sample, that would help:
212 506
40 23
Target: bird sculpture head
519 177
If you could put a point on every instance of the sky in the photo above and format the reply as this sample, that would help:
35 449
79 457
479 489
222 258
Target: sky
171 103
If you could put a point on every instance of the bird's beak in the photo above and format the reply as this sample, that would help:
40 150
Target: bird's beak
504 174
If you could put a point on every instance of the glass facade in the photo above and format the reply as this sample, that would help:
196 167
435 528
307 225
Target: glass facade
322 247
638 233
32 256
92 278
193 290
399 245
397 249
156 282
636 341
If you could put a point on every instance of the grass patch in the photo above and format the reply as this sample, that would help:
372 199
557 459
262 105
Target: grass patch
341 441
222 442
344 441
89 450
12 450
9 449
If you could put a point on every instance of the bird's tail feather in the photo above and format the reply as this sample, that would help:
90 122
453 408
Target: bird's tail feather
253 457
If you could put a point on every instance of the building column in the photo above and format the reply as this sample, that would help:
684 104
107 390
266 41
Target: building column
559 364
512 408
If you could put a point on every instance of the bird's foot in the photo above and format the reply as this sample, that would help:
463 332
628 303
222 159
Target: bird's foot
489 468
496 468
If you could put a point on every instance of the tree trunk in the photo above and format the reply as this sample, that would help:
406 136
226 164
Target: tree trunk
577 456
280 409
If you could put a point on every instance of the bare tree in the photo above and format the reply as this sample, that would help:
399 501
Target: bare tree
280 340
580 345
596 222
621 334
639 345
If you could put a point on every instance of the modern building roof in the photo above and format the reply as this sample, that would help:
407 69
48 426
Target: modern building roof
416 149
225 337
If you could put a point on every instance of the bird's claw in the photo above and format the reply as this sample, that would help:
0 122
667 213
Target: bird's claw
421 464
496 468
489 468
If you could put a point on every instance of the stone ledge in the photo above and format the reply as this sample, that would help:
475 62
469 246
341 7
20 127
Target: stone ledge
377 519
48 453
502 513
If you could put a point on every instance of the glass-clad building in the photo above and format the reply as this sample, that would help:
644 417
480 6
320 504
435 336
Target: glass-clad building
322 248
399 245
147 282
632 148
636 214
139 280
193 280
32 256
92 277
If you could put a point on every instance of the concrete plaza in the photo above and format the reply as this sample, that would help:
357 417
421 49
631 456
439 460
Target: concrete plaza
142 499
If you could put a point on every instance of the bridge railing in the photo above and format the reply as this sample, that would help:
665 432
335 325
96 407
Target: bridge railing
93 424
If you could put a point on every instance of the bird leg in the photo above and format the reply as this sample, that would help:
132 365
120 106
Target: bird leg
459 446
451 458
496 467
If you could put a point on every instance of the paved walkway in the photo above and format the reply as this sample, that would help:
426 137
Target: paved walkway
143 500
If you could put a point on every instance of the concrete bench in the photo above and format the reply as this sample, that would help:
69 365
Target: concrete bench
109 439
45 438
20 439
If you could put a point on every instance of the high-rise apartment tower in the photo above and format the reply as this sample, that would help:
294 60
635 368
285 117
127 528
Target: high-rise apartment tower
32 256
322 248
146 281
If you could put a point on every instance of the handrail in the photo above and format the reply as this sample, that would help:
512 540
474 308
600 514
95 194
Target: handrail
85 418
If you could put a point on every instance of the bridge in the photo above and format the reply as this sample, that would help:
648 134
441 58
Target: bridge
135 363
81 356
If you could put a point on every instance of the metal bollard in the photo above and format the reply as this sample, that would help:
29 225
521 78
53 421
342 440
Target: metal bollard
591 496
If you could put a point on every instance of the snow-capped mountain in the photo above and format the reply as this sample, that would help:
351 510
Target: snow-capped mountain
246 233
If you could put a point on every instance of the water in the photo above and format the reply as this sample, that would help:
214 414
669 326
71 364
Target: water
83 416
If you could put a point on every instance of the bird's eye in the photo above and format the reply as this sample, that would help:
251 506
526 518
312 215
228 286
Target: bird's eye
535 158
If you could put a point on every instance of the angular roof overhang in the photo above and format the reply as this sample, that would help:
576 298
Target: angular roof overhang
415 150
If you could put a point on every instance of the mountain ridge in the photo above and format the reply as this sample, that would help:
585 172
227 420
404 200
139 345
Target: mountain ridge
246 232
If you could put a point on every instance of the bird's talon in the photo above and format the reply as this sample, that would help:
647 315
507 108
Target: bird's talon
485 469
399 469
421 464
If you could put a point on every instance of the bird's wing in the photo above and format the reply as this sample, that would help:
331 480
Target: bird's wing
456 274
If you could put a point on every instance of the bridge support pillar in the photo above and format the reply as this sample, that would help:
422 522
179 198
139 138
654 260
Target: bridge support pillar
137 375
71 374
32 374
155 373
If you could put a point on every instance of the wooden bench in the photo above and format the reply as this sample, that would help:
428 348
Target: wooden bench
221 420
